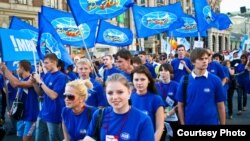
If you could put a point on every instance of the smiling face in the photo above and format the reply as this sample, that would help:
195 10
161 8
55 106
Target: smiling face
117 95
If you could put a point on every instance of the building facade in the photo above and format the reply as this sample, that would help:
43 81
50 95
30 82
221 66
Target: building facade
28 9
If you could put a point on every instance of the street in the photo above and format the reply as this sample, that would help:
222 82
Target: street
243 119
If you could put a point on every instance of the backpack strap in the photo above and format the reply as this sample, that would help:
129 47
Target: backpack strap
98 124
184 89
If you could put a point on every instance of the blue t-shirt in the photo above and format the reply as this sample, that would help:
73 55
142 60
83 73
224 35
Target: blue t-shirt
217 69
52 109
168 92
77 125
72 75
178 73
127 75
147 103
108 72
240 68
151 69
96 96
30 101
131 126
202 96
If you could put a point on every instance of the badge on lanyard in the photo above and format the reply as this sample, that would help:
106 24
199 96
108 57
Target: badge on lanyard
169 101
111 138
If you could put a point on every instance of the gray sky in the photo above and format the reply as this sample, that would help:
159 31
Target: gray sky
233 5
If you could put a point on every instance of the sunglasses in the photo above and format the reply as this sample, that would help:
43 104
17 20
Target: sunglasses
69 96
162 58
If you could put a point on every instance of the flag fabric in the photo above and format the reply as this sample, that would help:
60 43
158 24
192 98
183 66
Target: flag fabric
189 29
113 35
18 24
183 41
68 31
154 20
49 42
204 15
16 46
89 10
206 18
223 21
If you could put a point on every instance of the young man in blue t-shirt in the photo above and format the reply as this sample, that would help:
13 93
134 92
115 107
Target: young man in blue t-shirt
202 102
26 125
51 87
181 65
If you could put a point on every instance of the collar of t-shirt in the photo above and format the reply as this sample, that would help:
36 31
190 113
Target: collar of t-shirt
205 74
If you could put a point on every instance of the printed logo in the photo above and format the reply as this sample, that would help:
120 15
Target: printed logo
207 12
206 90
125 136
190 26
48 44
114 36
158 20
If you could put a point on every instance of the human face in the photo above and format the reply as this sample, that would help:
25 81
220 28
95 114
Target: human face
202 63
143 58
49 65
122 63
19 70
164 74
162 60
140 81
71 98
84 71
181 52
118 95
107 61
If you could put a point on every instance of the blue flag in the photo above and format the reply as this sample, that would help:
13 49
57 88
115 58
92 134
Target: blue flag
69 32
16 46
154 20
89 10
189 29
49 42
18 24
206 18
112 35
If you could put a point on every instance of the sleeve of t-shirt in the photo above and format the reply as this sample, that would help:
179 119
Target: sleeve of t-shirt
92 124
158 102
220 95
147 131
59 84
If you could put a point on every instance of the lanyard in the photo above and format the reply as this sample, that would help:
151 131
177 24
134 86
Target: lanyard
125 118
164 93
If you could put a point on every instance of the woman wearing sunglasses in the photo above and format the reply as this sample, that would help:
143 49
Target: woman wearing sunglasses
121 122
76 114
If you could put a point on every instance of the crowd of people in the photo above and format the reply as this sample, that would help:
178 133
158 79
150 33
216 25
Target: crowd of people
142 97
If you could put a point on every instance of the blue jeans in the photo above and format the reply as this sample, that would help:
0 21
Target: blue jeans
47 129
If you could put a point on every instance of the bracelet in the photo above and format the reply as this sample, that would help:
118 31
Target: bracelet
40 84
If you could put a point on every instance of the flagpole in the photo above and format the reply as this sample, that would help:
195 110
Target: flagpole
199 36
85 46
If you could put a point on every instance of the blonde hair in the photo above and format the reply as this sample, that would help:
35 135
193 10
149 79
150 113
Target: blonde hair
116 77
84 61
82 87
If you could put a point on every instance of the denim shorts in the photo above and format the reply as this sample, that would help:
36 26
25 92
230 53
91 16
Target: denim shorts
25 128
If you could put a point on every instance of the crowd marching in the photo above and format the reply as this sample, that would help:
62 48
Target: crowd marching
125 97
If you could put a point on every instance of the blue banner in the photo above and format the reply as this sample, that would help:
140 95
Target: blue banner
89 10
154 20
18 24
69 32
16 46
112 35
206 18
49 42
189 29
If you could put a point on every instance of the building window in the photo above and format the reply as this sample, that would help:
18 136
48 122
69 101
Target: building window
21 1
52 3
160 2
28 20
143 3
